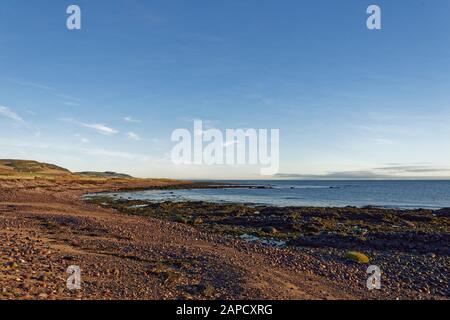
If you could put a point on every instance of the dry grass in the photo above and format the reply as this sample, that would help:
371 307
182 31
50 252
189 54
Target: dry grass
30 167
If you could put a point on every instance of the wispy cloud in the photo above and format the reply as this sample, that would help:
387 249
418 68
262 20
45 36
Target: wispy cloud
98 152
386 172
363 174
99 127
71 100
32 84
8 113
411 169
67 97
130 119
133 136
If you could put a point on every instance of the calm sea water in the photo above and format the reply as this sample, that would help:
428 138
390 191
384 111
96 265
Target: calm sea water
389 194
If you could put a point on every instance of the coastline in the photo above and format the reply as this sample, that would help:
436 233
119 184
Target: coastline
123 254
403 195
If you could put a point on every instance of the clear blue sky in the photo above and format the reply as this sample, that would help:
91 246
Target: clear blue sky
349 102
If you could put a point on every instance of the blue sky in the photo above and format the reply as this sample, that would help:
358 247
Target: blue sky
349 102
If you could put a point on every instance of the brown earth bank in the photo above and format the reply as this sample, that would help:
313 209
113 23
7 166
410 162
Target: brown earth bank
45 227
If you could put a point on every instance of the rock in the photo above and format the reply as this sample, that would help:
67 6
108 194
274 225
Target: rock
444 212
180 219
43 296
42 277
197 220
409 223
12 265
357 257
269 229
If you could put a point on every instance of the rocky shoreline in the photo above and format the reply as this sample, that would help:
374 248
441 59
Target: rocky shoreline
411 247
159 251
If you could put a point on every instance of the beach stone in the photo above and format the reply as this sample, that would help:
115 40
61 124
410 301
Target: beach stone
269 229
357 257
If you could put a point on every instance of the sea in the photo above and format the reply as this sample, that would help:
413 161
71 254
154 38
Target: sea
404 194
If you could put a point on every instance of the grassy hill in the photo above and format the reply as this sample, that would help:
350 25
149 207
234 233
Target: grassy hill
107 174
29 167
33 169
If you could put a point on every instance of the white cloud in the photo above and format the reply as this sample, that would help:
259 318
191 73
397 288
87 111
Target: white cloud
100 128
130 119
71 104
8 113
133 136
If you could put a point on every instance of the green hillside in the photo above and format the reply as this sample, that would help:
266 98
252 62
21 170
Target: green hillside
30 167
